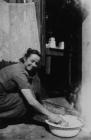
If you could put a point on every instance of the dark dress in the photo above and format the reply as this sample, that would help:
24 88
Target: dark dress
13 78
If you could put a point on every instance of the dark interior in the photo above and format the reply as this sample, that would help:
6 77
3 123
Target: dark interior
63 20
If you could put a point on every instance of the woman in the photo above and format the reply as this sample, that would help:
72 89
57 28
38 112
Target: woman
16 88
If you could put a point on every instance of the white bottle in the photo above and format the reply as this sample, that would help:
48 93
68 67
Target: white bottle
61 45
52 42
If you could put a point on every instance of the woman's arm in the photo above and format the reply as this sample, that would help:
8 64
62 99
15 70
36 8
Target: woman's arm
33 102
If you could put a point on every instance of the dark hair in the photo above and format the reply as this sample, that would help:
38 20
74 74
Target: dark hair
28 53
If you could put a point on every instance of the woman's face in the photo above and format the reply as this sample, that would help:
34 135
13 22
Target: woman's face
32 62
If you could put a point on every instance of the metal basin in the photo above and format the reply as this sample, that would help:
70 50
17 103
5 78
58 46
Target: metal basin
71 128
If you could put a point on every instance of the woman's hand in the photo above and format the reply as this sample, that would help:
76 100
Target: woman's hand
55 118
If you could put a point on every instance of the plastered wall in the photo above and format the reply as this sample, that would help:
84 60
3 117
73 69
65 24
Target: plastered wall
18 30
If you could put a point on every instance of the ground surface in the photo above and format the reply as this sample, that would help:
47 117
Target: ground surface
35 132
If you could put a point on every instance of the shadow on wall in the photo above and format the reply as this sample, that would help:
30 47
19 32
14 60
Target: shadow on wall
4 63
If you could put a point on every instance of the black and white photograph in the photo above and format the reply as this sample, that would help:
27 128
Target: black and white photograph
45 69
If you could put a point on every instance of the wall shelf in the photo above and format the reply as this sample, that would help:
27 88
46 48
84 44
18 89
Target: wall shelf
54 52
50 52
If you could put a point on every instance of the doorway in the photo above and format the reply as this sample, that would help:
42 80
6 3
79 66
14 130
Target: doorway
63 20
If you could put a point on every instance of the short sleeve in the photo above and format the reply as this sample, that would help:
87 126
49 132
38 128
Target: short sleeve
22 80
20 76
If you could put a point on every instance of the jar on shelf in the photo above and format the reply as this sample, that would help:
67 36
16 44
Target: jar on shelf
61 45
52 42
